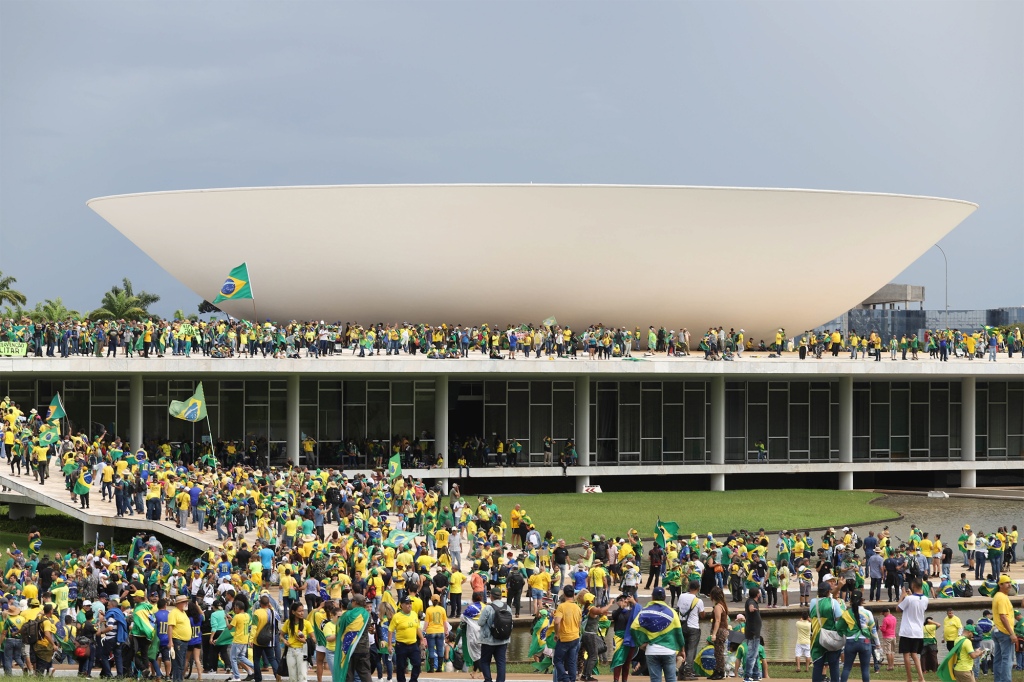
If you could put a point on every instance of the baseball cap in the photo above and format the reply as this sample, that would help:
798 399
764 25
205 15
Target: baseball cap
1003 579
828 576
658 593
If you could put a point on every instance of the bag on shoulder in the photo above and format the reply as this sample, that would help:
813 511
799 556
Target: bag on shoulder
265 637
831 640
501 626
30 632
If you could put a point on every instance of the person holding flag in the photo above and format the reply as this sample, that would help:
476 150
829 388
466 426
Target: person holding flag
83 485
352 643
658 628
395 467
958 665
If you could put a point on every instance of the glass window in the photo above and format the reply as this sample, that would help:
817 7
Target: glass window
425 413
564 415
900 414
494 418
401 393
672 391
735 417
778 449
879 392
307 423
650 410
757 425
279 417
355 392
940 413
519 417
997 425
256 392
402 421
939 447
629 392
607 414
693 422
757 392
232 416
735 449
607 451
308 391
540 392
899 447
494 392
629 428
672 430
103 392
256 420
919 426
879 427
918 391
540 426
799 391
819 413
355 422
778 414
799 434
330 415
650 450
378 415
819 449
997 391
861 413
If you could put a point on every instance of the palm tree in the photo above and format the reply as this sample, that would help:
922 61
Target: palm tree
146 299
118 305
51 311
16 313
8 294
179 314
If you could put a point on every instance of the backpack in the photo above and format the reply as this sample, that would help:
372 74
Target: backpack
265 637
371 592
501 626
30 631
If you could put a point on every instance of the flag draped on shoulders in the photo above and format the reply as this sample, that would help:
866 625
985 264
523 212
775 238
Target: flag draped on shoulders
946 667
351 627
83 484
191 410
658 623
823 617
236 286
665 531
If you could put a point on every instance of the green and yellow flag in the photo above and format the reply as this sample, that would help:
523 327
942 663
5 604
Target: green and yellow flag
236 286
395 467
56 410
83 484
665 531
351 627
48 435
193 409
945 670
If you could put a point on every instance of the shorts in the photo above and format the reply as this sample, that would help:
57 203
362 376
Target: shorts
889 646
321 649
805 589
803 650
536 593
164 654
193 647
911 645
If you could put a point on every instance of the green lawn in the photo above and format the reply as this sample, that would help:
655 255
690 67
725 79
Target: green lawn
571 516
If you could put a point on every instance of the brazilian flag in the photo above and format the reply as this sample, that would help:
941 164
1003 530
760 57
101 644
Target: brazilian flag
48 435
56 410
351 627
193 409
399 538
946 667
236 286
665 532
659 624
84 482
395 467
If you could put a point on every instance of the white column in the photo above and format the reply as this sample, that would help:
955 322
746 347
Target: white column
581 433
292 431
716 431
846 430
441 423
89 531
968 431
135 412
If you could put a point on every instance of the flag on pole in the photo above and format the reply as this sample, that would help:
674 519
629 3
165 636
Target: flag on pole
665 532
550 322
56 410
193 409
48 435
236 286
395 467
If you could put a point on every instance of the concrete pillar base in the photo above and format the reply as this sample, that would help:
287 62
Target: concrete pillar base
846 480
968 479
22 511
718 483
581 483
89 531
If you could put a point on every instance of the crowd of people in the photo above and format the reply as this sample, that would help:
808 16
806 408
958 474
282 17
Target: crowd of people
223 338
315 569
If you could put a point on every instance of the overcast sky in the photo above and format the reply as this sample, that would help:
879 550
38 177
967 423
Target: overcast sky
101 98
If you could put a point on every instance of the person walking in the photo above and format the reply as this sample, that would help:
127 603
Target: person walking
825 611
1003 635
591 639
719 630
858 624
658 627
913 606
690 608
752 634
567 620
495 634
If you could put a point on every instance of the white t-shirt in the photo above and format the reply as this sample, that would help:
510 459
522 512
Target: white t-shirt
912 623
683 605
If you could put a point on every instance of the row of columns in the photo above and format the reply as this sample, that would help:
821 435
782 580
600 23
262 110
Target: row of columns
716 427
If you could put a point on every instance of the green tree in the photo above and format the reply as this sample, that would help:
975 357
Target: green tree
51 311
179 314
118 305
15 312
146 299
8 294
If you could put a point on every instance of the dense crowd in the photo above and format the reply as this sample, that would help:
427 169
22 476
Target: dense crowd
315 569
240 338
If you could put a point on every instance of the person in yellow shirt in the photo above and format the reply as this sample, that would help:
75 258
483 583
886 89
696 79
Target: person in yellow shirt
951 628
540 584
435 624
1003 620
455 582
405 626
295 633
180 629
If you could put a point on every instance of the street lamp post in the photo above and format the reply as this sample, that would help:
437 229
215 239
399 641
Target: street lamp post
946 261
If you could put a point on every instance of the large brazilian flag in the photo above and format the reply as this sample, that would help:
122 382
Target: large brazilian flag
351 627
236 286
658 623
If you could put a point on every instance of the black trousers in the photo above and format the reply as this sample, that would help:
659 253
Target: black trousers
407 653
654 573
360 668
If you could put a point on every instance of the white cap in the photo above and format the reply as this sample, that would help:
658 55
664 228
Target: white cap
828 576
86 603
